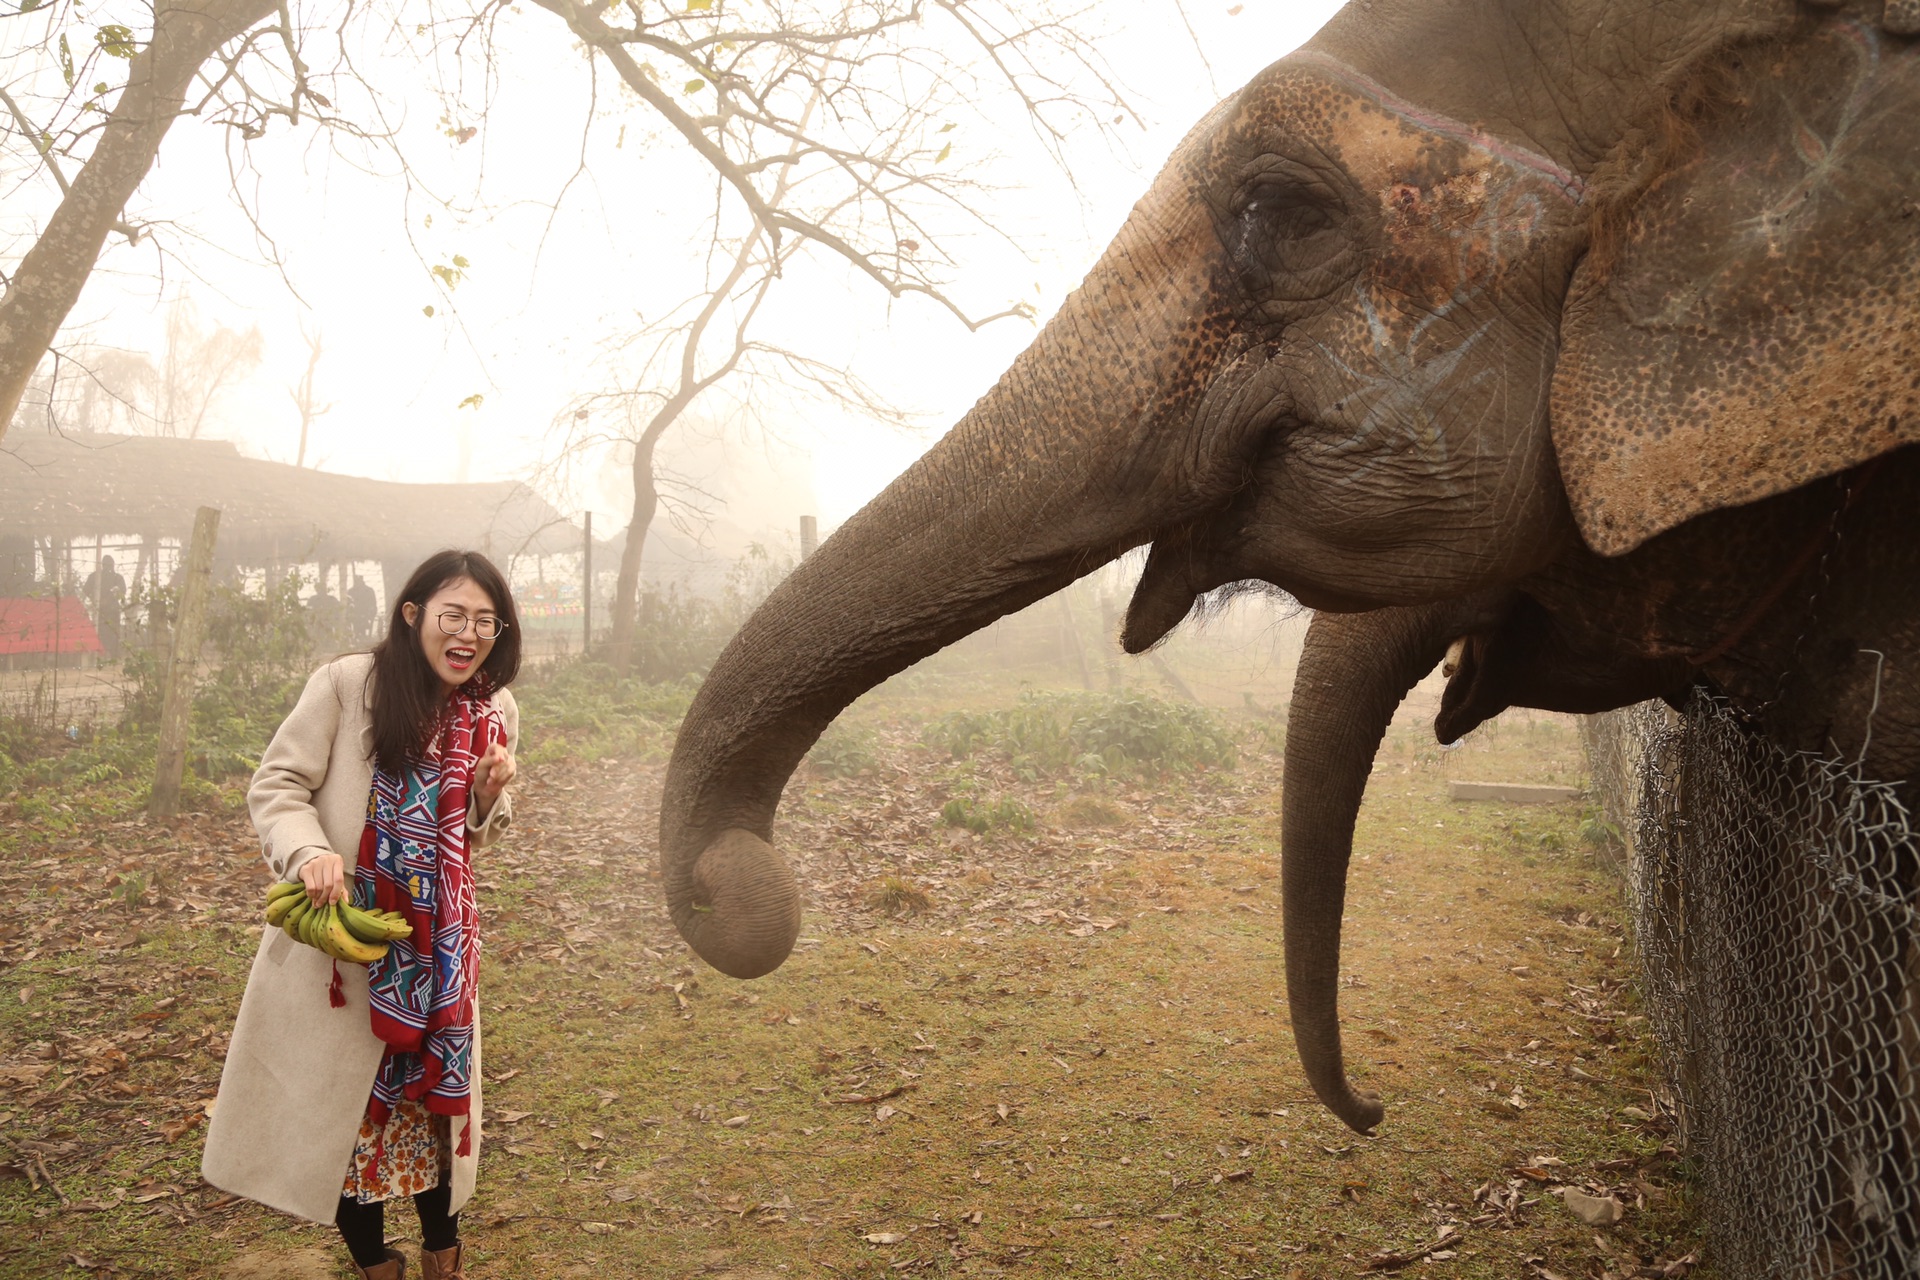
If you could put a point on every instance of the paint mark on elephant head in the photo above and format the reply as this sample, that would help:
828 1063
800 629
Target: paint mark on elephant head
1821 158
1513 154
1391 415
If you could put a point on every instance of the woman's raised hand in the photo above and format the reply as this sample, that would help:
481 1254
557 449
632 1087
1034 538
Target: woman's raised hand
491 774
325 878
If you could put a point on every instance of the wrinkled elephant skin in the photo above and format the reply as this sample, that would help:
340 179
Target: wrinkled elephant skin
1578 336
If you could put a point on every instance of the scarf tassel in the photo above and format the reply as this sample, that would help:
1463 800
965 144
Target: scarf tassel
466 1137
372 1176
336 990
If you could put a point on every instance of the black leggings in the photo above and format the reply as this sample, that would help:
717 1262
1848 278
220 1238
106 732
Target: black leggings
364 1226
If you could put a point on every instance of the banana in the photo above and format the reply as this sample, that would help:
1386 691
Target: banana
343 945
290 923
316 933
278 909
310 926
370 926
363 925
329 926
283 888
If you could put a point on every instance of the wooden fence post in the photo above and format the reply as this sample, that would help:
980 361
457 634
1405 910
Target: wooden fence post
176 705
586 590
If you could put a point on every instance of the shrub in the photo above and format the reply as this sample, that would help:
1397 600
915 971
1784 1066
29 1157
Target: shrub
1600 833
1088 733
256 659
254 664
582 707
844 752
980 817
678 634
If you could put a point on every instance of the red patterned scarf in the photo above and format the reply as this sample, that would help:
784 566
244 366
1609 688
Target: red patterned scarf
414 860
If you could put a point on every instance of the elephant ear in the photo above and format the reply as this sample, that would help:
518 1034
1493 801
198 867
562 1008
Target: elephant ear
1754 322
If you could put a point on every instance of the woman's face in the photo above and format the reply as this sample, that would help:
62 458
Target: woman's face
454 658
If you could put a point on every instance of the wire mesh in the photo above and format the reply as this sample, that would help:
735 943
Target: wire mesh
1773 900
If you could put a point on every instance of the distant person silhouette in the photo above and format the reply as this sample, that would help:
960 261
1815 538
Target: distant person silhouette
324 618
363 611
105 595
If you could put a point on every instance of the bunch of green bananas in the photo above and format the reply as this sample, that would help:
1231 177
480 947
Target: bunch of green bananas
340 929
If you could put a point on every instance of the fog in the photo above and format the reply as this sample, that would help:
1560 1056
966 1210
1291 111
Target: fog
321 330
575 222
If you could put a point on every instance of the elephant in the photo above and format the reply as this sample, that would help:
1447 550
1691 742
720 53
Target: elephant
1573 335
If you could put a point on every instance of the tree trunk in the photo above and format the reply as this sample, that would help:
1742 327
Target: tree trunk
51 275
626 587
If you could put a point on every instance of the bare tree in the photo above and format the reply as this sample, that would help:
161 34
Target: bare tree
303 398
829 127
687 358
104 388
868 178
736 83
196 366
44 286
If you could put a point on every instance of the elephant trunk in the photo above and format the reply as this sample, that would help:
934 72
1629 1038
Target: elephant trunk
1051 475
1354 672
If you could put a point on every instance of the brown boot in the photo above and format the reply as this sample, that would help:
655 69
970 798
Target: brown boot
441 1264
394 1268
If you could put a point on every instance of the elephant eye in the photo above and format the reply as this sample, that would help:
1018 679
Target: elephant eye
1287 219
1286 234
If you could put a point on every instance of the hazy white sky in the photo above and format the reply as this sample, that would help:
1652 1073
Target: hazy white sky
548 286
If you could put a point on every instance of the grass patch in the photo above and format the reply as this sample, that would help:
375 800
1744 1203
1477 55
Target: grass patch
981 817
893 896
1072 1059
582 709
1051 733
844 751
1090 813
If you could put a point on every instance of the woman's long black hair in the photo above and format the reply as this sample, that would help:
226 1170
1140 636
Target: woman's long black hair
407 694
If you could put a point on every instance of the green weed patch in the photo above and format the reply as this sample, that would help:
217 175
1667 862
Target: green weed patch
1126 734
981 816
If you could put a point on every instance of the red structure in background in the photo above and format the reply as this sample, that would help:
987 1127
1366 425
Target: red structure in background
30 624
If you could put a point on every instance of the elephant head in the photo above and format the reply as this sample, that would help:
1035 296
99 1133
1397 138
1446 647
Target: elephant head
1400 323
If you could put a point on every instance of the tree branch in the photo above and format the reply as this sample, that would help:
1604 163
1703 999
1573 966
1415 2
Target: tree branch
602 37
45 148
51 275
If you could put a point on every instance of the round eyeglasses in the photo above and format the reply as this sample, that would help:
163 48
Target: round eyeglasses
487 628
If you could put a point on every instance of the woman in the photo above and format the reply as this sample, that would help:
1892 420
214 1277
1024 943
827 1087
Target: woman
346 1085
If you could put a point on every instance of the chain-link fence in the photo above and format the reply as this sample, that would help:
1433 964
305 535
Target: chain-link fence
1773 897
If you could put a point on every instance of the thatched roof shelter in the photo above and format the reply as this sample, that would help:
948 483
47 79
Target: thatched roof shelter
77 487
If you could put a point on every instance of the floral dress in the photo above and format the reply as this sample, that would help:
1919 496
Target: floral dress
413 1153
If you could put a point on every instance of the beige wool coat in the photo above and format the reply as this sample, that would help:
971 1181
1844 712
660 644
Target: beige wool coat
299 1072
